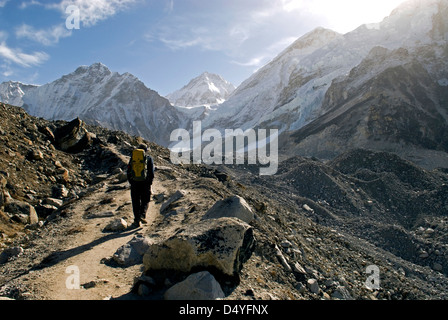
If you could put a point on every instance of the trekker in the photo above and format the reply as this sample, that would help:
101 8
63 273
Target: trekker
140 175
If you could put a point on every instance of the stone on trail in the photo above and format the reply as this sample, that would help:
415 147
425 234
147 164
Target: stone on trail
198 286
116 225
132 252
224 244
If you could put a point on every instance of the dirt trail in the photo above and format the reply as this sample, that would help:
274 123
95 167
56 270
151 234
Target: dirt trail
86 245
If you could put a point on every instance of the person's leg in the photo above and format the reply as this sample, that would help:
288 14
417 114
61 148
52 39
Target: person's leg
145 198
136 203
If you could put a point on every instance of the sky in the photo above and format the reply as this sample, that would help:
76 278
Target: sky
164 43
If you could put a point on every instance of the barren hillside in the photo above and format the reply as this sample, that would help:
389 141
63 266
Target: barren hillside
315 231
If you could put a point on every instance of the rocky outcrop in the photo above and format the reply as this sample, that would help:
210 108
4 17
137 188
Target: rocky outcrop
224 244
73 137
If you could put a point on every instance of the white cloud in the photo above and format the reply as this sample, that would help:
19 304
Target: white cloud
253 62
25 5
3 3
46 37
7 71
23 59
176 44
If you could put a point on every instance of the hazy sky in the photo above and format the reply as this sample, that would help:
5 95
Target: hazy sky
165 43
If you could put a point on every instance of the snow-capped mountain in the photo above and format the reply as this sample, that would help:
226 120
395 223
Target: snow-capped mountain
12 92
289 92
99 96
207 90
319 78
396 99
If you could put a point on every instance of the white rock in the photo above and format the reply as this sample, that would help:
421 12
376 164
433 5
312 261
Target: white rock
116 225
234 206
198 286
307 208
313 286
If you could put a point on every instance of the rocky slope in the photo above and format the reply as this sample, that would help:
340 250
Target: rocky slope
393 100
206 90
311 232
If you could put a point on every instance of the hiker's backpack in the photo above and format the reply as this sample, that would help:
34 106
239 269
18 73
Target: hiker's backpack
139 168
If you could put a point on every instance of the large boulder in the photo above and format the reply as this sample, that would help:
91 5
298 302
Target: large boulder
22 209
234 206
198 286
222 244
73 137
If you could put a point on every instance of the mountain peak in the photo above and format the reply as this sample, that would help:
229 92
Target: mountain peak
207 89
96 68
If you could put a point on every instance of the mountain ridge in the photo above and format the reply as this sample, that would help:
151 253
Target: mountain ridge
207 89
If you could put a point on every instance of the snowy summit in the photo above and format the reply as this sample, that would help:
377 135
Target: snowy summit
208 89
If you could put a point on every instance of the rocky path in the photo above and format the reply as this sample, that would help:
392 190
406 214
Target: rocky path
73 266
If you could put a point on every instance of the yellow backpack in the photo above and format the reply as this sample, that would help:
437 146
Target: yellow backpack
139 168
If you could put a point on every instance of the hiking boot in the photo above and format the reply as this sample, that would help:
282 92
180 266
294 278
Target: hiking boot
143 221
135 224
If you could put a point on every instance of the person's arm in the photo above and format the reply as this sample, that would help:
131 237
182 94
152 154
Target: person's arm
150 169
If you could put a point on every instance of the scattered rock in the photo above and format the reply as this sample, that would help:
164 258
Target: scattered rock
198 286
94 283
59 191
132 252
176 196
34 154
54 202
341 293
19 208
96 215
282 259
116 225
437 266
313 286
234 206
10 253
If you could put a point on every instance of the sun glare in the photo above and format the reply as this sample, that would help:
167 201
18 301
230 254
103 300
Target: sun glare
344 15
